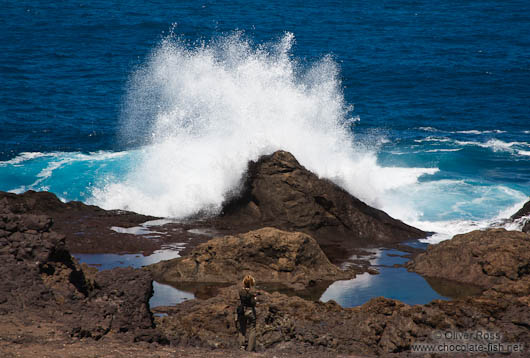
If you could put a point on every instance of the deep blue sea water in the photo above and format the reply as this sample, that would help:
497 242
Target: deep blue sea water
417 107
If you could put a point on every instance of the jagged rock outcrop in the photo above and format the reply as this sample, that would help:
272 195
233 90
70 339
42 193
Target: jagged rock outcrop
271 255
280 192
276 191
89 229
86 228
40 280
482 258
523 215
495 259
379 327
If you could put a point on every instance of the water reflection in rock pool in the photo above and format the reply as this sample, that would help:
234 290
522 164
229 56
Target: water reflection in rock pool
166 295
110 261
163 295
393 281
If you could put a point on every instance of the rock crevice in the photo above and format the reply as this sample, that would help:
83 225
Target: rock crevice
40 279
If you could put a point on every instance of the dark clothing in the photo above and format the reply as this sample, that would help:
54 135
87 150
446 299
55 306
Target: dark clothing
246 316
247 298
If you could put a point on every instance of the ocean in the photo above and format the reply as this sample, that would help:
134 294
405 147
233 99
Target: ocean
417 108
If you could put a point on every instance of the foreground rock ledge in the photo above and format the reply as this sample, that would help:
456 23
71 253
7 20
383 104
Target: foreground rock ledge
271 255
380 327
496 259
44 293
41 282
280 192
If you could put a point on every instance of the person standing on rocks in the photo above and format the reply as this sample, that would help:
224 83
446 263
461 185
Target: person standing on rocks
246 314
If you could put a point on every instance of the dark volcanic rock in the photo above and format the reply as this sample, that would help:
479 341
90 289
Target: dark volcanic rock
521 214
35 265
496 259
86 227
271 255
524 211
119 303
39 279
381 326
277 192
378 327
280 192
482 258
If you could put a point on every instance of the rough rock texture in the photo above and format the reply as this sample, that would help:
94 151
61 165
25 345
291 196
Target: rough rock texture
87 228
280 192
271 255
47 299
381 326
39 279
523 214
481 258
277 191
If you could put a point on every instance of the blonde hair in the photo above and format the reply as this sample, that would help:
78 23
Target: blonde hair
249 281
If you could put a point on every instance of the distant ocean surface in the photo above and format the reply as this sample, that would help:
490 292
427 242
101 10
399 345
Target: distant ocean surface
417 108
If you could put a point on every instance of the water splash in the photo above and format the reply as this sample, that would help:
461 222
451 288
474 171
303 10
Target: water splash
202 112
197 113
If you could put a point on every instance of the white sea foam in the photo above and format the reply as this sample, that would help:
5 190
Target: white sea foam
471 131
443 150
25 156
433 139
61 156
509 211
517 224
430 129
446 229
474 131
60 159
204 112
495 144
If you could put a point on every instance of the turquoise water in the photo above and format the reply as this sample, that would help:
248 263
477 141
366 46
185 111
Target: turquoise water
417 108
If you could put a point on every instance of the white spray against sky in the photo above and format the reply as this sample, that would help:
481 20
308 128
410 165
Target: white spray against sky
202 112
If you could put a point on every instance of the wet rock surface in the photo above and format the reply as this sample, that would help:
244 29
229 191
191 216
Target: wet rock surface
481 258
521 214
293 259
88 228
49 303
278 191
40 280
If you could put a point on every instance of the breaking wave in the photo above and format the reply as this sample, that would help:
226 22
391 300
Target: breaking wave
203 111
195 114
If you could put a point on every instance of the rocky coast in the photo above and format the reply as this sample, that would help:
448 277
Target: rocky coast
287 227
292 259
